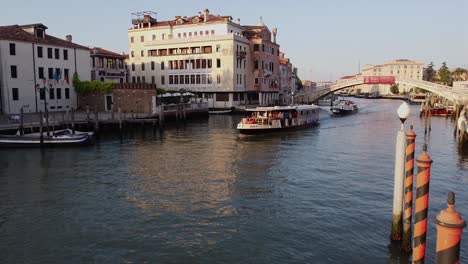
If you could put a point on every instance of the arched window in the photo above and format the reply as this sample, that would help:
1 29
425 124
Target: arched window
256 64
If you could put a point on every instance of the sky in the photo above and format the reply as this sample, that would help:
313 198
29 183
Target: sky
324 39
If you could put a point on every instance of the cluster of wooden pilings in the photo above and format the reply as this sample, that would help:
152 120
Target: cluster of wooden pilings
411 229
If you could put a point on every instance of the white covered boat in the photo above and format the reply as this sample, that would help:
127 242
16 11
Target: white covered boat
64 137
278 118
343 107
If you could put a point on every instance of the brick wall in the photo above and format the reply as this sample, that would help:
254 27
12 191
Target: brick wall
129 97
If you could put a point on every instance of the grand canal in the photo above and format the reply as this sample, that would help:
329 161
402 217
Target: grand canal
200 194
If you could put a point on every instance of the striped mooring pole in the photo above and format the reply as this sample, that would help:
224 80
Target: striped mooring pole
408 206
450 226
422 202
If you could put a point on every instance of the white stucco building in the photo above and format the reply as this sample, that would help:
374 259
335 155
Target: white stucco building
205 54
408 69
31 60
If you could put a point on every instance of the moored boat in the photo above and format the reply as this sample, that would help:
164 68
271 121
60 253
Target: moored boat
344 107
437 111
278 118
64 137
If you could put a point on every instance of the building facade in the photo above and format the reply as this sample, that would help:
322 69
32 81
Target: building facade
37 68
285 70
225 62
205 54
403 68
107 66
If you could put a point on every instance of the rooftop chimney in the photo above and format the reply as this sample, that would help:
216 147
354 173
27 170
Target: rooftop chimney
238 21
275 32
206 14
68 38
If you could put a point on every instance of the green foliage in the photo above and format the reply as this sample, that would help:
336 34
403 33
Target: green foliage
394 89
86 87
445 75
299 83
430 72
459 74
418 90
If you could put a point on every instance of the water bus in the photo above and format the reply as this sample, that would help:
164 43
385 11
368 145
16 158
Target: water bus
278 118
343 107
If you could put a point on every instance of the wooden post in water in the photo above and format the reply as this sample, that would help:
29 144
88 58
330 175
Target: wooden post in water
457 114
96 122
41 129
73 121
87 114
120 124
21 127
47 121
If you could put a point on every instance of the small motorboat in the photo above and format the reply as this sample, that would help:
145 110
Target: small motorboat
220 112
64 137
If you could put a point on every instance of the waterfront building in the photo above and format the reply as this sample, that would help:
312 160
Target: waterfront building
225 62
206 54
285 71
107 66
265 74
403 68
32 60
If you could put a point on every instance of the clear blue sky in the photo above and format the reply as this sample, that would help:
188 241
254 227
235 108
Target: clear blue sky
325 39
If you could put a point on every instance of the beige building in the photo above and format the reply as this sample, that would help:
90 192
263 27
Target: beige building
403 68
205 54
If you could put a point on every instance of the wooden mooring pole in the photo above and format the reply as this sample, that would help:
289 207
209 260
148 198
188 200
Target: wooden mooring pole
41 128
120 125
21 125
73 121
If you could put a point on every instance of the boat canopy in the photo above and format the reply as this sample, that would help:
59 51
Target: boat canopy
283 108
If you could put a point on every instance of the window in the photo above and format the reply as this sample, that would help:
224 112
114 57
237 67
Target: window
256 47
41 73
273 51
15 94
142 39
143 79
187 79
198 78
143 66
209 64
179 35
51 73
67 93
218 48
42 94
263 47
203 80
212 32
39 52
49 53
153 80
14 71
152 65
51 94
181 79
66 75
138 79
203 64
133 79
171 79
59 93
192 79
163 80
218 63
154 37
132 39
256 81
176 79
142 53
65 54
162 65
256 65
133 66
132 53
198 64
210 81
12 49
218 78
57 54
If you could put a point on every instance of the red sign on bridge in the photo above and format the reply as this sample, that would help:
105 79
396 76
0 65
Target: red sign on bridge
379 79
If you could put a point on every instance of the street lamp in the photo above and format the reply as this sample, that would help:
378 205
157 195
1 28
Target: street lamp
403 112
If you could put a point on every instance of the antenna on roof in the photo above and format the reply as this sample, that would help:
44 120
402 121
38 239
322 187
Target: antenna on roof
144 19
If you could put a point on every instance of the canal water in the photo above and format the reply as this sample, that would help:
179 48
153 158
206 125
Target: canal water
198 193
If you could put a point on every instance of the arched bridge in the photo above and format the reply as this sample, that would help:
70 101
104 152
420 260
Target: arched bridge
455 95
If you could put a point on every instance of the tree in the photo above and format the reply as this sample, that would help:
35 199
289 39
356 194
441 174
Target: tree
394 89
459 74
430 72
445 75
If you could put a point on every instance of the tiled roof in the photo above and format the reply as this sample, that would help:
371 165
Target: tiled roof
104 52
16 33
253 27
189 20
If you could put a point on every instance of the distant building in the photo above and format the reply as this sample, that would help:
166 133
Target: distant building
400 68
107 66
286 71
32 60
